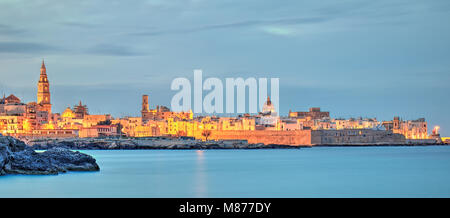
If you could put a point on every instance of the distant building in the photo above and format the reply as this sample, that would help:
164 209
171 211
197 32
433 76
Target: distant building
11 99
411 129
161 112
269 118
98 131
269 108
68 113
314 113
54 133
446 140
12 106
80 111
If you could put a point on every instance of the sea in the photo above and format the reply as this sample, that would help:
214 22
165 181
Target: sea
387 171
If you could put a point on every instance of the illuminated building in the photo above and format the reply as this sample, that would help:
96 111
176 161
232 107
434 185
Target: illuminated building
411 129
313 113
43 93
69 120
68 114
80 110
268 118
98 131
161 112
12 106
35 119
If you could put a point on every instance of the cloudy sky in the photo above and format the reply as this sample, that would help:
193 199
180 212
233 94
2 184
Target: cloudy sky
353 58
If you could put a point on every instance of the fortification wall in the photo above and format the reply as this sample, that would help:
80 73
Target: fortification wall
298 137
356 136
420 141
310 137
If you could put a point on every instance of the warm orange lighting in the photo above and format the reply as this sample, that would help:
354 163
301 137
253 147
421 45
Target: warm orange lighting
26 126
48 125
436 130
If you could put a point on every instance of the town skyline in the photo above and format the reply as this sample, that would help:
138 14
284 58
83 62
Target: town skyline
370 59
37 119
138 113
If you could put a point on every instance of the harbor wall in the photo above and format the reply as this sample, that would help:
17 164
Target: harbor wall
356 137
297 137
311 137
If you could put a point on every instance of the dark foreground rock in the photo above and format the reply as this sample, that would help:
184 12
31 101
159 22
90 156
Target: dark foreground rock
18 158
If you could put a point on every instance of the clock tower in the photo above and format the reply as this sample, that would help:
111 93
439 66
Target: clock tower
43 94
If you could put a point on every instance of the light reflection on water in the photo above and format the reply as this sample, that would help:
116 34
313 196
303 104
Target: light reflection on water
201 187
308 172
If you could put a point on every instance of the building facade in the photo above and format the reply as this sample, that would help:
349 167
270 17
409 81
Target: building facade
43 93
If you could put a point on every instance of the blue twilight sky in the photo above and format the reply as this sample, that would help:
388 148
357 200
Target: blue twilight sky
352 58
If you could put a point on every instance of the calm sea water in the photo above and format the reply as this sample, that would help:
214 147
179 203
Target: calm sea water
308 172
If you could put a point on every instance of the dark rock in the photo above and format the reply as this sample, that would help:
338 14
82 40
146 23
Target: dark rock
5 153
18 158
12 143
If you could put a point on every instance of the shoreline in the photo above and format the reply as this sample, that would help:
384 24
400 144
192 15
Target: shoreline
181 144
267 148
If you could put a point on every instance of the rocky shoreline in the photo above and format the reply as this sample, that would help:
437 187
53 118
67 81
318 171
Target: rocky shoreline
171 143
379 145
144 144
18 158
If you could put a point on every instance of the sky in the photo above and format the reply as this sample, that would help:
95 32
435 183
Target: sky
353 58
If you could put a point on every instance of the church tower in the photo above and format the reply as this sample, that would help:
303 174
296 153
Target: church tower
43 94
145 106
145 112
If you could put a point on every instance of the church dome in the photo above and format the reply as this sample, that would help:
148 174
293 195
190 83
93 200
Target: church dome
12 99
268 107
68 113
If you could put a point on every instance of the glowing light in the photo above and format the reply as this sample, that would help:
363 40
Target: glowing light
436 130
27 126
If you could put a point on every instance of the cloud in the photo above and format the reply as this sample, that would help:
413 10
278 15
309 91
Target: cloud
241 24
39 48
27 47
112 50
8 30
78 25
283 31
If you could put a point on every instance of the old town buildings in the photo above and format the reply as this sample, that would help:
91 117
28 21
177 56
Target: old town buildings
36 119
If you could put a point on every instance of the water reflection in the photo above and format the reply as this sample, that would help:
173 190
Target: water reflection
201 187
355 171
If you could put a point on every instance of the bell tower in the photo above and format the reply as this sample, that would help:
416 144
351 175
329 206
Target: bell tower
145 107
43 94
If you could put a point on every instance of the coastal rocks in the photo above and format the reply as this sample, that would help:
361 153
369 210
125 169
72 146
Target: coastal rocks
4 158
144 143
18 158
12 143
